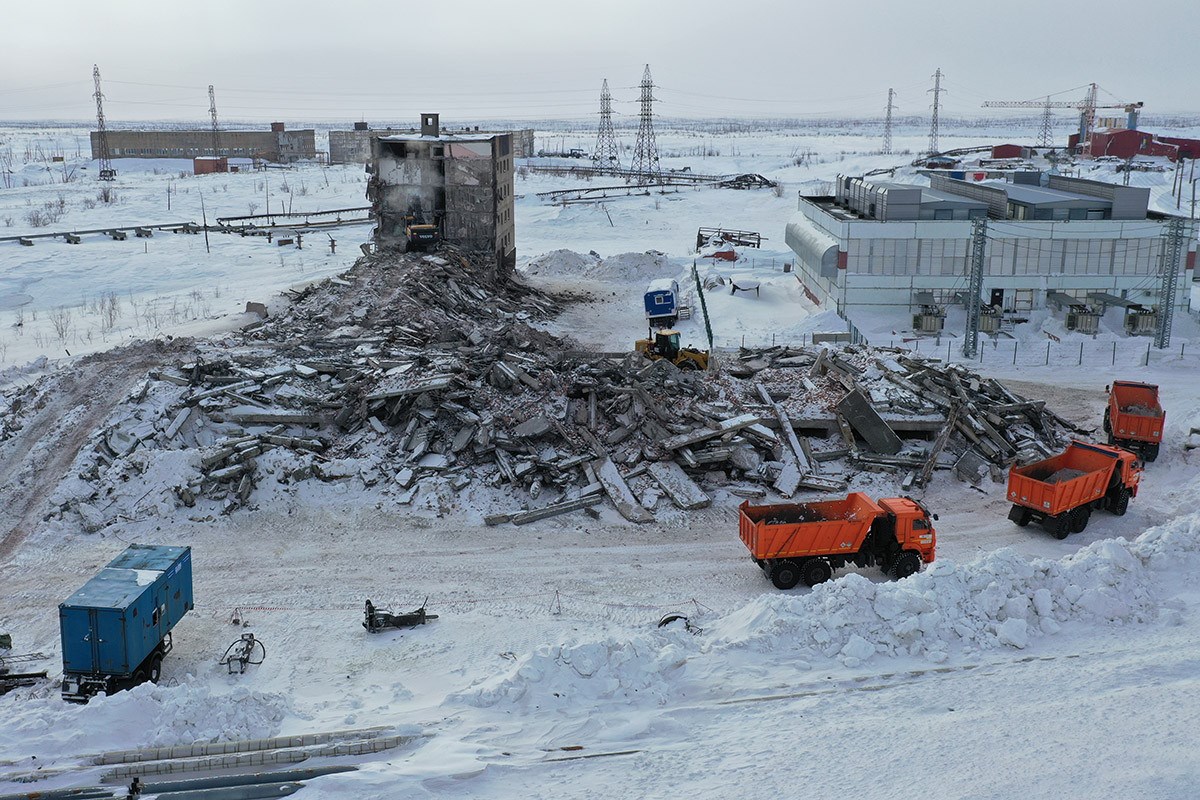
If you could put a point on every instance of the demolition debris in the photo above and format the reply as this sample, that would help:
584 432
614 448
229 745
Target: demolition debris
420 377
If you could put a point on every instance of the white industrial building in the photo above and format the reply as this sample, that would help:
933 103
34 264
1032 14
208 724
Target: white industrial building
881 248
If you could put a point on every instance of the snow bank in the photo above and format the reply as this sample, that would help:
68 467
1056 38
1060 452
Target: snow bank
145 716
1001 600
620 268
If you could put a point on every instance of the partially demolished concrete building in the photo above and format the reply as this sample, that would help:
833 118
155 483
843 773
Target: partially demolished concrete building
354 146
463 183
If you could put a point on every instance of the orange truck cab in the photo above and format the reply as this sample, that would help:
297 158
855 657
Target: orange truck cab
1134 418
793 542
1061 492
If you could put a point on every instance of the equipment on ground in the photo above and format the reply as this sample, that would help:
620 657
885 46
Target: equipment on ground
794 542
246 651
9 679
1061 492
378 620
1134 418
117 628
665 344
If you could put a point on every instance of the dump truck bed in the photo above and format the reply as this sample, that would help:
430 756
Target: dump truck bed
1078 475
794 530
1134 412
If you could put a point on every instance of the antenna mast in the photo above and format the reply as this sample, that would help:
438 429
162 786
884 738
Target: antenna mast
212 109
887 124
933 124
107 173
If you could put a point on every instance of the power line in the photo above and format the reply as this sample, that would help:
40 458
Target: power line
645 152
606 153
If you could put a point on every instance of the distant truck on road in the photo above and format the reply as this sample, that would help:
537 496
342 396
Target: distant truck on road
1134 418
1062 491
793 542
117 627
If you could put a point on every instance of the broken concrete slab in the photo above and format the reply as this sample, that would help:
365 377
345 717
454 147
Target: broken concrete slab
683 491
704 434
863 417
619 492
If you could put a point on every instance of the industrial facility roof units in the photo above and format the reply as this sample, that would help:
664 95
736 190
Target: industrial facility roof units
1041 195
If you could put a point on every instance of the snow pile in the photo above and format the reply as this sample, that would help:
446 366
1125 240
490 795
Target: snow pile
145 716
644 666
620 268
1001 600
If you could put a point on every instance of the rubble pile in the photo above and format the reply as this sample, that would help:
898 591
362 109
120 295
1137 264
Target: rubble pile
420 378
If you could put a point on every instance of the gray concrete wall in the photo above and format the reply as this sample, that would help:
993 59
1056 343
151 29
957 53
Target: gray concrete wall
286 146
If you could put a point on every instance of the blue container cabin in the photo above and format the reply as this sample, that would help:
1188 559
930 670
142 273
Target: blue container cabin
117 627
662 302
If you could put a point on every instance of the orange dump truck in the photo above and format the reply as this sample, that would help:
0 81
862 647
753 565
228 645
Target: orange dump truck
1062 491
1134 419
795 542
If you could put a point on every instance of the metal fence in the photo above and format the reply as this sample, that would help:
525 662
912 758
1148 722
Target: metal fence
1012 352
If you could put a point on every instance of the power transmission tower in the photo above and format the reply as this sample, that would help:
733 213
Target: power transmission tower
107 173
606 154
975 287
212 109
1046 135
1174 242
887 124
645 153
937 101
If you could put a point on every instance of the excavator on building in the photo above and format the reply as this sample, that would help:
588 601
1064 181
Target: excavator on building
665 344
420 235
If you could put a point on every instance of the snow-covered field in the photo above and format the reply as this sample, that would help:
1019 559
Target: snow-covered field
1016 665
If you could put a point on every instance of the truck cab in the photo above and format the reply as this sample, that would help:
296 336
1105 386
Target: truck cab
913 526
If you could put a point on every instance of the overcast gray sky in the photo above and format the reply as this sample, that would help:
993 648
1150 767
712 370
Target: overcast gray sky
529 59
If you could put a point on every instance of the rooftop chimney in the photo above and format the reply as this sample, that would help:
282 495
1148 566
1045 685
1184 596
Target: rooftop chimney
429 125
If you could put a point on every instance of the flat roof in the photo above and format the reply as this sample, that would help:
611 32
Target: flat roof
1041 195
444 137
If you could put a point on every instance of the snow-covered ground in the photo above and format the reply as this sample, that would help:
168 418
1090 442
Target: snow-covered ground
1016 665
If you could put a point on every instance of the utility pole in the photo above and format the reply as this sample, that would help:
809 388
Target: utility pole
212 109
975 287
887 124
1175 237
1046 135
933 123
645 153
107 173
606 154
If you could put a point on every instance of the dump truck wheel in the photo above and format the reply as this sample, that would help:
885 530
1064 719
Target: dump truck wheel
1061 527
1024 516
785 574
1120 503
816 570
906 564
155 669
1152 452
1079 519
1107 425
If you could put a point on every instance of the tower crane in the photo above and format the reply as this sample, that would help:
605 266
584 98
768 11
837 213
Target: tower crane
1087 113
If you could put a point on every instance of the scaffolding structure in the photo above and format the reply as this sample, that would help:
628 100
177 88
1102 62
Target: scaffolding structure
974 299
1178 232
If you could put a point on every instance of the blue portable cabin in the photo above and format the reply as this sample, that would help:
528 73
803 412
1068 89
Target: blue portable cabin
117 627
662 301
